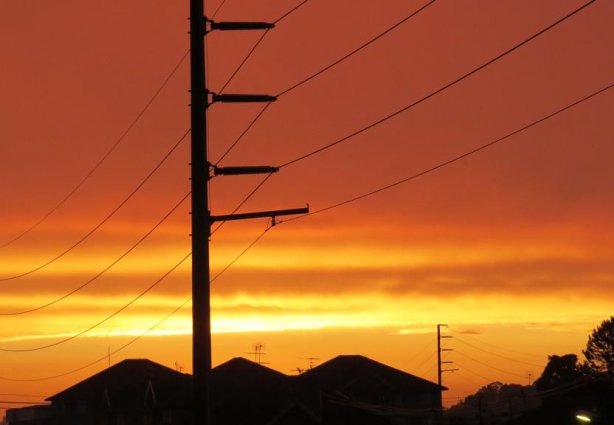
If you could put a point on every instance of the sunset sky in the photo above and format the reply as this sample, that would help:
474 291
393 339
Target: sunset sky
512 247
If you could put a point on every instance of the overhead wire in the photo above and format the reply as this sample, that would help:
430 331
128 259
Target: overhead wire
290 12
103 358
256 44
147 331
456 351
419 353
244 200
456 338
103 271
219 7
235 72
320 71
254 242
102 159
356 50
244 132
302 82
115 313
105 219
157 282
431 356
566 387
232 76
384 119
439 90
453 159
249 54
542 31
463 368
498 347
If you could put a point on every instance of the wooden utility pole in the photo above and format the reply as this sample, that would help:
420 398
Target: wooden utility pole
440 363
201 310
202 219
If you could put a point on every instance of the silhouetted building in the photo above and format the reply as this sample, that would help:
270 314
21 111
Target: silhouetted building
345 390
358 390
30 415
129 393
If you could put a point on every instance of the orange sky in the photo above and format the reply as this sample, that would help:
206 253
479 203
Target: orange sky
511 247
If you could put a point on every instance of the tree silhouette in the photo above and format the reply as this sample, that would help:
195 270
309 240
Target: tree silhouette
599 351
559 370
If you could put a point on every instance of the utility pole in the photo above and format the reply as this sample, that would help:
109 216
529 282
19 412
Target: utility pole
440 371
201 310
201 171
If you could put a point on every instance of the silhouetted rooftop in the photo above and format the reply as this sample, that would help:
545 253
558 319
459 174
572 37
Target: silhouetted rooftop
130 382
344 370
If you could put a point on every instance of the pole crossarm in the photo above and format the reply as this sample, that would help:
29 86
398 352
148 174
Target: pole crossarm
242 170
242 98
238 25
259 214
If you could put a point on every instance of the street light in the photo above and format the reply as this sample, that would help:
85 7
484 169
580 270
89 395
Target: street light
584 416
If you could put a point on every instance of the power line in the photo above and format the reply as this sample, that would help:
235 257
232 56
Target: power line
440 165
106 356
419 353
135 339
463 368
255 46
434 93
243 133
291 11
102 159
254 242
495 354
356 50
565 387
505 349
249 54
321 71
454 159
89 281
62 341
218 9
245 199
487 365
431 356
107 218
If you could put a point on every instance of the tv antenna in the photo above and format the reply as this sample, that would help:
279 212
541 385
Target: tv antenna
312 361
258 353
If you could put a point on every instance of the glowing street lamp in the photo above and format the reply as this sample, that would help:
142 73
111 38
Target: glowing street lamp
583 417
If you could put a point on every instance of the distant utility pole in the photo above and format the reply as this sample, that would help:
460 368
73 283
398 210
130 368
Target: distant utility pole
440 371
201 171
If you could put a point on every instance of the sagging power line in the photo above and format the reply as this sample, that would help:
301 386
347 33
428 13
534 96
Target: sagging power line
104 157
105 219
